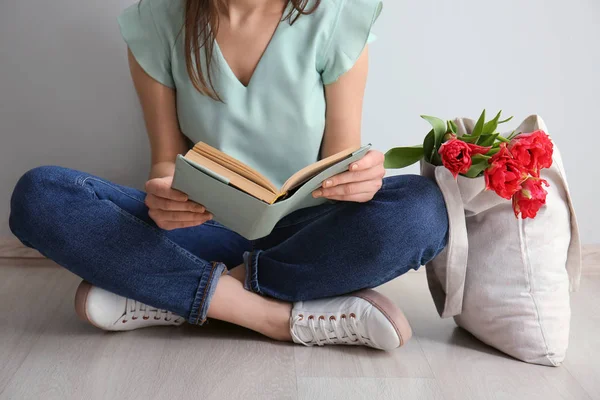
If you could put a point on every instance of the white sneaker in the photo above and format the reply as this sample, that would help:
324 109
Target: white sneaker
363 318
108 311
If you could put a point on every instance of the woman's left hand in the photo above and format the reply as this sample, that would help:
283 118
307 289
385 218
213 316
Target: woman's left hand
359 184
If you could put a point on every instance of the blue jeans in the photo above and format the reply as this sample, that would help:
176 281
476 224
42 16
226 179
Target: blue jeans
102 232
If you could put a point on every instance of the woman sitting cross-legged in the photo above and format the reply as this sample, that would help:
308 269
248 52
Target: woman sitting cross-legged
278 85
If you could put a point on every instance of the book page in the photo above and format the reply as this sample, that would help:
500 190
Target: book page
313 169
236 166
235 179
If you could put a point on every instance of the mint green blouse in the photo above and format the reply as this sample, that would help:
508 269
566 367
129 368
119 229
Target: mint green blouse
276 123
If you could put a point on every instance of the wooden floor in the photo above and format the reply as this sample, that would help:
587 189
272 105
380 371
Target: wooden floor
47 353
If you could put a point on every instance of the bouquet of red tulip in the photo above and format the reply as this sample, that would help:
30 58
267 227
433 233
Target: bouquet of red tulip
511 165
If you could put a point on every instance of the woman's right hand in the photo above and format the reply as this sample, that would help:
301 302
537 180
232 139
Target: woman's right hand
170 208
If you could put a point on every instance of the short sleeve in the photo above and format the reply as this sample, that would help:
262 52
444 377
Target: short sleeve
146 42
350 34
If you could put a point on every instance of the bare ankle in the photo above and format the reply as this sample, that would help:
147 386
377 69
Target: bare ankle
232 303
278 321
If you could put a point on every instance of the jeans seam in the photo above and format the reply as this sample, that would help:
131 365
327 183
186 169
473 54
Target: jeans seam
80 180
157 231
198 308
114 187
251 263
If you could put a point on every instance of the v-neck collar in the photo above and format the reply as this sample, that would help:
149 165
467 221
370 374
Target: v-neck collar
228 69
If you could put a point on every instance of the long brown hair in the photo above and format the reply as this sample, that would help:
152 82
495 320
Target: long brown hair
200 27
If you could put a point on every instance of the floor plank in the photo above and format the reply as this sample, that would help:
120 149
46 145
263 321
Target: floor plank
28 300
72 360
336 361
226 362
46 352
368 388
584 347
466 368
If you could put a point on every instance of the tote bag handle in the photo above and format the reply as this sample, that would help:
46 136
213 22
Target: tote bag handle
446 274
574 262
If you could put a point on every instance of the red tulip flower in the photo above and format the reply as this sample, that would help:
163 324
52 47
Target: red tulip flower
456 155
530 198
533 151
505 174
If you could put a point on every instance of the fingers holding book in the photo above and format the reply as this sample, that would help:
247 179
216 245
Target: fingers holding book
177 219
359 184
156 202
170 208
161 187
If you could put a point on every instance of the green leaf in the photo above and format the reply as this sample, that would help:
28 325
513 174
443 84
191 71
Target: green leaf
428 146
490 127
436 159
439 128
487 139
493 151
480 163
479 125
452 127
513 134
468 138
401 157
505 120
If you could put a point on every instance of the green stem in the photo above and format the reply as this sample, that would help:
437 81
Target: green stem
503 139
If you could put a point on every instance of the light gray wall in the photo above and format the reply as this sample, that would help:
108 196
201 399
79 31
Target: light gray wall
66 97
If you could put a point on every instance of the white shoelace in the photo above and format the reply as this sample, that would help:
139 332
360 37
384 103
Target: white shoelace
348 334
135 309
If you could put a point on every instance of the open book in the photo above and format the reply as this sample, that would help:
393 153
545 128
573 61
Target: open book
244 200
249 180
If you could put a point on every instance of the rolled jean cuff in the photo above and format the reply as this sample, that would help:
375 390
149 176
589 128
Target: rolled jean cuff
206 290
251 263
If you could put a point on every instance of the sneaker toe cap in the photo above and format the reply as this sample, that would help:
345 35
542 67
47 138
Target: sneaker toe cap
382 332
389 328
104 309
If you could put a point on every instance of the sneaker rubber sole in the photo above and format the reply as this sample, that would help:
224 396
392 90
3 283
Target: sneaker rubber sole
81 297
